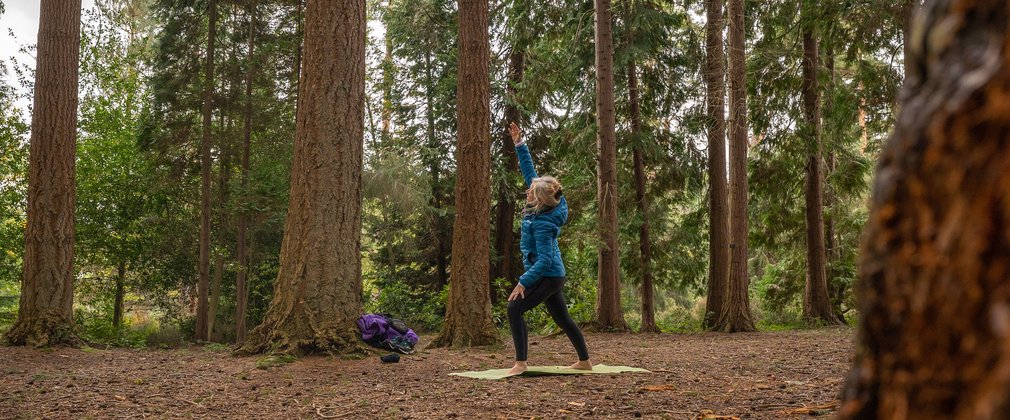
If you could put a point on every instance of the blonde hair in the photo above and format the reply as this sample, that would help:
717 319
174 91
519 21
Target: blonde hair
545 193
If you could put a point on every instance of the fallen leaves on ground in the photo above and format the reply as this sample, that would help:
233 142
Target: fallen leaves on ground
721 376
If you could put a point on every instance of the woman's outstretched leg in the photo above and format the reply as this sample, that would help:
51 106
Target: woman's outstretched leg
519 334
534 296
559 312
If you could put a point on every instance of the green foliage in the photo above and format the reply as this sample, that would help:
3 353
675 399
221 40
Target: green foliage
8 305
13 197
13 200
422 309
95 327
858 76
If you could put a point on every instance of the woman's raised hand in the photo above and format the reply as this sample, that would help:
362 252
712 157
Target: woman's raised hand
516 134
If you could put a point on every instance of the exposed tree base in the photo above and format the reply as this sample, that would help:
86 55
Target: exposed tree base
269 338
42 332
463 336
824 320
734 323
649 328
597 326
708 324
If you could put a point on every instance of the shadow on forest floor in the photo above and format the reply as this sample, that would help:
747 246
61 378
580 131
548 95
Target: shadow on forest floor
789 374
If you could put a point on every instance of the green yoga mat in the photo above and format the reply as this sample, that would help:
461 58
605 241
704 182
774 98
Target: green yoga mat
549 370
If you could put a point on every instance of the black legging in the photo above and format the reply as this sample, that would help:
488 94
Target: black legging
547 291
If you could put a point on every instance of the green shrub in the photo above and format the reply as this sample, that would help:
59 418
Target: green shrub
169 335
420 308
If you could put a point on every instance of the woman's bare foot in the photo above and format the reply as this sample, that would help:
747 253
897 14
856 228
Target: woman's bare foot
582 365
518 369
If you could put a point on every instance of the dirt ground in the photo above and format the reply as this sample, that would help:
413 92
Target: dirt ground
764 375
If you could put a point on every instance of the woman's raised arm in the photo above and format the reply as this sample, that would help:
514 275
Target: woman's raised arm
523 153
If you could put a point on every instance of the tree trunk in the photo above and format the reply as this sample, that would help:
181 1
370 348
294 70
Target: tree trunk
934 303
202 318
830 199
117 306
317 295
608 294
387 82
836 289
505 209
215 287
241 253
468 311
816 305
736 316
864 137
718 214
45 311
437 199
645 252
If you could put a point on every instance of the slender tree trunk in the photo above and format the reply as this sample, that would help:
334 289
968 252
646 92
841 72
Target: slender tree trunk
505 209
468 311
836 289
437 199
645 252
830 200
864 137
203 286
736 316
816 305
934 303
648 301
45 311
608 295
388 70
215 288
241 253
117 306
718 212
317 295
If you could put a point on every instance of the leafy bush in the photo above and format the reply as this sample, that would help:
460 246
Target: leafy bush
420 308
95 327
8 311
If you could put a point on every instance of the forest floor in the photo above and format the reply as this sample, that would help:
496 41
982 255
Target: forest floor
791 374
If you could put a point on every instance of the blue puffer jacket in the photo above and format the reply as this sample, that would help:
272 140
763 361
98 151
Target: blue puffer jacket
539 243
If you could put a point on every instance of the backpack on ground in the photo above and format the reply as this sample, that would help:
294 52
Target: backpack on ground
385 332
